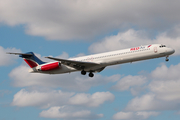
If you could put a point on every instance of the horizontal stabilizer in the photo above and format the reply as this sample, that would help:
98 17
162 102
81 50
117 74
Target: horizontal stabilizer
20 54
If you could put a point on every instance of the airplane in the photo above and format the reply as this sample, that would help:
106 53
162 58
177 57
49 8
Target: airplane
97 62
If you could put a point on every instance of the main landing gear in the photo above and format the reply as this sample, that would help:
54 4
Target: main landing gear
91 74
84 73
167 58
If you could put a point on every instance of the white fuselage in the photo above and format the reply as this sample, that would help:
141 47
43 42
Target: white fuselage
117 57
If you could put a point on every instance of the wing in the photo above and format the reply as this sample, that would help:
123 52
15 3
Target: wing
75 64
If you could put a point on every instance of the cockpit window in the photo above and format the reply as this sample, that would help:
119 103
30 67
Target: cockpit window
162 46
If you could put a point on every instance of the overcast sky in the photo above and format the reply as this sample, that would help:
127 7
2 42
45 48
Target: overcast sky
147 90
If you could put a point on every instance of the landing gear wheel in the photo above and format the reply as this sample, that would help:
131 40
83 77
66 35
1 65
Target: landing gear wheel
83 72
167 59
91 74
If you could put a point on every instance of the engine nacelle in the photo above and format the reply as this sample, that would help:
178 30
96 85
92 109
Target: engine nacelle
50 66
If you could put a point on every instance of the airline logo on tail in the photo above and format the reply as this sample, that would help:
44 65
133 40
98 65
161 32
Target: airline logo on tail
31 63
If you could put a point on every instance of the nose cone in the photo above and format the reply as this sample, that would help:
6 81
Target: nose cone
171 51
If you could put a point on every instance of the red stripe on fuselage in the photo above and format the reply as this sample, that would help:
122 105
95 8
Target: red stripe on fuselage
31 63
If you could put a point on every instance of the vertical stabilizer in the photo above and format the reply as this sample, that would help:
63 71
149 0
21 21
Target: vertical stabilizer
31 59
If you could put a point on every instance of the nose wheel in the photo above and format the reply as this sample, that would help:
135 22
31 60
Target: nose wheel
167 59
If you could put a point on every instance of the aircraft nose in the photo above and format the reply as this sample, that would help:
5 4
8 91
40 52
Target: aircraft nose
172 51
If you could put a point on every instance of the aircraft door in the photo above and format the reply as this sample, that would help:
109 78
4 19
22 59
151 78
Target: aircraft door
155 50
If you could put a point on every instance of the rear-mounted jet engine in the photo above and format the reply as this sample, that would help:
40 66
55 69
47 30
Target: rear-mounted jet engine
50 66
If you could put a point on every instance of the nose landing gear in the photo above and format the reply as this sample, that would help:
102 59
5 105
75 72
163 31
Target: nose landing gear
167 58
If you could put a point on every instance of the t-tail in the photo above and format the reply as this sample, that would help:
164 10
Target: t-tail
30 59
